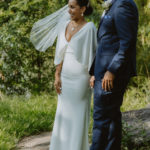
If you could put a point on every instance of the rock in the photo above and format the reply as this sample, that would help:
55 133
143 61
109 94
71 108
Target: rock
138 125
35 142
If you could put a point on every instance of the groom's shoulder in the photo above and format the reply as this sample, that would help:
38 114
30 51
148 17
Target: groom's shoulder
125 3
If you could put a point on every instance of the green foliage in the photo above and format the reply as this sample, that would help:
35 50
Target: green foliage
143 44
137 95
24 69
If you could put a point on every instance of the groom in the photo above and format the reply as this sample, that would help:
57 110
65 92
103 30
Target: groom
114 65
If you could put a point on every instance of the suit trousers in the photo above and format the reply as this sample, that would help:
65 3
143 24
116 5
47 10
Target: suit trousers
107 127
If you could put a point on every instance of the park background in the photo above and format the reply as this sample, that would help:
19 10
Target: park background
27 97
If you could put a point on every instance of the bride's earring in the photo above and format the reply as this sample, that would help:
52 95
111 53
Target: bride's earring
82 14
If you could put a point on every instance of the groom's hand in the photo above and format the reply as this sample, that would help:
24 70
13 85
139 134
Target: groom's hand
107 81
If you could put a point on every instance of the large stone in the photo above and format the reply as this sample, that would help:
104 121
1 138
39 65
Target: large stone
138 125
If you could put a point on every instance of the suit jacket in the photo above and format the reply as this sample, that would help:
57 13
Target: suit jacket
117 35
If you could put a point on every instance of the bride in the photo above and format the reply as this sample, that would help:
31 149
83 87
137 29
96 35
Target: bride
75 50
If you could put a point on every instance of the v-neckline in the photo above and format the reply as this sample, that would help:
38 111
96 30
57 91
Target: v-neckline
75 33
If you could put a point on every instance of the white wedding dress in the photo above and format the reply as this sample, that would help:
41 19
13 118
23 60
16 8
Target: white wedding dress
70 131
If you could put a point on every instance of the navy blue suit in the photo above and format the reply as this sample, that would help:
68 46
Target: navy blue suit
116 52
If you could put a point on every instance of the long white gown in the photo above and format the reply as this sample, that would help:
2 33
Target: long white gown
70 131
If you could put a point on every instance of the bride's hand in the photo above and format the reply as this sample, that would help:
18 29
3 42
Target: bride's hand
92 80
57 85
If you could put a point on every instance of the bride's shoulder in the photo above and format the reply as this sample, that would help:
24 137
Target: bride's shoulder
91 25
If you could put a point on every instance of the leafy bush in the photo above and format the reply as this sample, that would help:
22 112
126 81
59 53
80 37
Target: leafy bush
24 69
143 44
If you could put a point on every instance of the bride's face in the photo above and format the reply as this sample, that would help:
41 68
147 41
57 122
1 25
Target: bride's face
75 10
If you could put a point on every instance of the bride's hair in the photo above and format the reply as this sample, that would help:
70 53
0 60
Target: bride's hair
85 3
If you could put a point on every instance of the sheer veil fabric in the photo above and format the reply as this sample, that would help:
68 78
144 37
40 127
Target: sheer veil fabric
45 31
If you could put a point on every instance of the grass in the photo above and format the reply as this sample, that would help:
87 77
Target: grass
21 116
137 96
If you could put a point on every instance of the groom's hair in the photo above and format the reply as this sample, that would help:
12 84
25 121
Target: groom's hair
85 3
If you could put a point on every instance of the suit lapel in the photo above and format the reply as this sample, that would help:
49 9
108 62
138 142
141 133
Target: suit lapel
101 20
102 17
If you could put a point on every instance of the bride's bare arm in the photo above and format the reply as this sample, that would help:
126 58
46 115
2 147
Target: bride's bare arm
57 82
92 80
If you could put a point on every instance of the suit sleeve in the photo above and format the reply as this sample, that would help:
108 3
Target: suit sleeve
124 19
